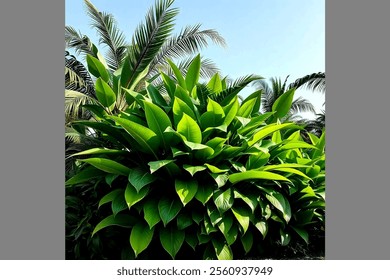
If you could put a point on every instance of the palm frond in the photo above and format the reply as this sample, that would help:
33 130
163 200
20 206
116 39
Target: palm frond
189 41
150 36
73 102
302 105
313 82
77 77
233 88
109 35
77 41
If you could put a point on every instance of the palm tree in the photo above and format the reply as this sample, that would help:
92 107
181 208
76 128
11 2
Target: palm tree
151 45
270 93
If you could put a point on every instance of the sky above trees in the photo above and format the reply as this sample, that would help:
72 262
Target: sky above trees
268 38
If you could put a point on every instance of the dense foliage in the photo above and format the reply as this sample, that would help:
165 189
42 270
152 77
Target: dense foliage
189 172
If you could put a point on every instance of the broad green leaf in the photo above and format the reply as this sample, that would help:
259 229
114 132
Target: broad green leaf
180 108
215 84
186 190
257 96
96 68
193 169
231 111
280 203
118 220
252 175
197 217
136 79
283 104
126 72
320 146
132 196
308 192
223 200
172 239
155 95
156 165
144 136
107 165
313 138
176 152
214 107
97 151
284 165
106 128
183 221
132 96
262 226
178 75
204 193
193 73
140 237
168 209
276 137
292 170
220 179
110 178
119 203
169 85
232 235
184 95
223 251
208 226
210 120
202 152
140 178
249 199
304 217
158 121
189 129
302 233
104 93
191 240
214 215
215 169
97 110
285 238
85 175
296 145
257 161
225 225
267 130
243 217
249 125
109 197
151 214
247 241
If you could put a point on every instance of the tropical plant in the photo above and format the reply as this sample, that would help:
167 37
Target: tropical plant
129 65
197 175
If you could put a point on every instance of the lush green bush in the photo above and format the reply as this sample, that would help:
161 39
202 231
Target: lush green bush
193 173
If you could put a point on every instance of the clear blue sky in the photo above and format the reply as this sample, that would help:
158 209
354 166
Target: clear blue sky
269 38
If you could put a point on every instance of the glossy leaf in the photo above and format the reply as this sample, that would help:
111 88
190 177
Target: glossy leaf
193 73
223 200
168 209
107 165
158 121
262 226
252 175
151 214
96 68
132 196
193 169
104 93
172 239
220 179
85 175
247 241
156 165
302 233
143 135
223 251
280 203
119 220
267 130
189 129
282 105
204 193
183 221
215 84
243 217
139 178
140 237
109 197
186 190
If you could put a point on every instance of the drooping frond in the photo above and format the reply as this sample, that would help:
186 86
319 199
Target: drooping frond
302 105
77 41
233 88
109 35
150 36
73 102
314 82
77 77
189 41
